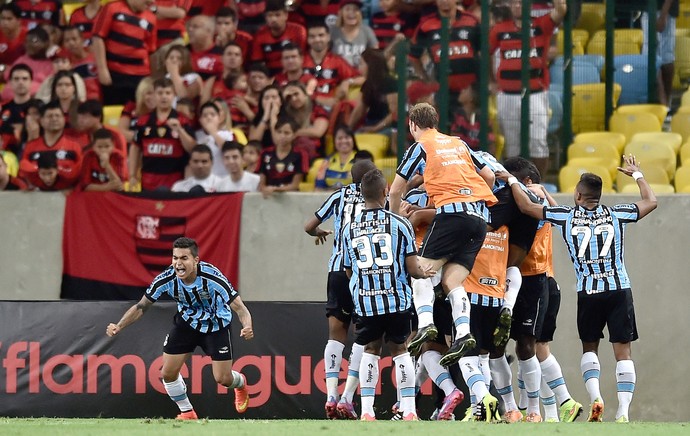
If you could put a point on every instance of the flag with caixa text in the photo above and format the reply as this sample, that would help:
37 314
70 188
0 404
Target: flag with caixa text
115 244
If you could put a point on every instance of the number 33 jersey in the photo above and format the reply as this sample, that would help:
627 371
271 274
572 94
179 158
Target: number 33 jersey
375 245
595 242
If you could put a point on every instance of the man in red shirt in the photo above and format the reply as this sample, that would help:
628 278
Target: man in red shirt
90 120
505 38
207 57
227 31
333 74
275 35
12 35
52 141
35 13
83 61
170 19
84 18
164 139
293 70
124 38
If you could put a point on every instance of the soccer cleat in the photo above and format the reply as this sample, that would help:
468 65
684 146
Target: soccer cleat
502 332
411 417
187 416
512 416
552 419
596 411
397 413
570 410
469 415
368 417
487 409
449 403
331 408
622 419
346 410
242 396
459 348
533 417
424 334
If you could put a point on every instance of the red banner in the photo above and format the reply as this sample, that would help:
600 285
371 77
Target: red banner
115 244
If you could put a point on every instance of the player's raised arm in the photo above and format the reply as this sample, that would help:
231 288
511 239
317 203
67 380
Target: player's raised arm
632 169
245 317
523 202
132 315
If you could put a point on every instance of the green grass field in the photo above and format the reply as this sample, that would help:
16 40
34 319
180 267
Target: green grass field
83 427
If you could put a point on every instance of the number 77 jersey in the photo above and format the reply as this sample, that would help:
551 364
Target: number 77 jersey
595 242
375 246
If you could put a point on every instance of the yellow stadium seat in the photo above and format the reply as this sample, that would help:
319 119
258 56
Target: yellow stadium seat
685 99
11 161
387 165
604 154
656 187
111 115
580 36
353 92
314 170
683 20
239 136
680 123
328 145
613 138
69 8
375 143
500 144
653 174
588 106
306 187
673 140
592 17
685 154
682 179
598 47
569 176
682 62
629 124
658 110
651 154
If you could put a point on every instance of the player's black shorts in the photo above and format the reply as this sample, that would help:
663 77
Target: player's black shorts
611 308
552 307
183 339
522 228
483 320
457 237
392 327
530 307
339 303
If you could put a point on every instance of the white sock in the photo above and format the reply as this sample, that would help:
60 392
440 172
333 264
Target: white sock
522 392
369 369
485 369
513 283
591 370
421 373
473 377
625 381
548 400
553 376
332 357
531 375
353 372
237 381
439 374
423 299
460 306
405 378
503 381
177 391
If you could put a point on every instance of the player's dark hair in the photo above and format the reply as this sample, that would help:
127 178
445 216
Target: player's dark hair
190 243
360 168
92 107
103 134
522 168
363 155
231 145
47 161
22 67
373 184
424 115
590 186
202 148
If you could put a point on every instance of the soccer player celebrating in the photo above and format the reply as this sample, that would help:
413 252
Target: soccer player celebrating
204 299
343 205
594 235
379 256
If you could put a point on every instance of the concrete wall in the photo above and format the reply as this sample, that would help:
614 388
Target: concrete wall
279 262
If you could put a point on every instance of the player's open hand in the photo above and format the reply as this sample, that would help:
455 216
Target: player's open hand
247 333
112 329
503 175
631 165
427 271
321 236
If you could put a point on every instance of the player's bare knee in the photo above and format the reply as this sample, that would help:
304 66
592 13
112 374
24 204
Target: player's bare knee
169 375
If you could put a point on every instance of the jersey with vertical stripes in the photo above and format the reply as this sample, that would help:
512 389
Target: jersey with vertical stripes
205 304
343 205
375 245
488 276
595 242
450 171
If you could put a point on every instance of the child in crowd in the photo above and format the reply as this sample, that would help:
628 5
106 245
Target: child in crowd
282 167
250 155
103 168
